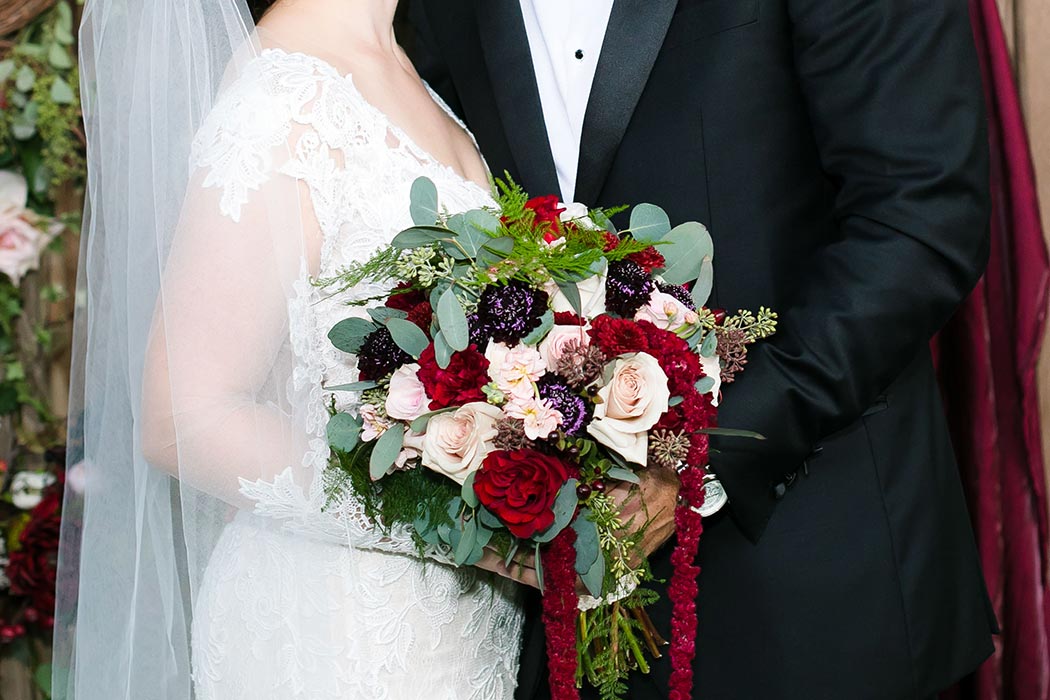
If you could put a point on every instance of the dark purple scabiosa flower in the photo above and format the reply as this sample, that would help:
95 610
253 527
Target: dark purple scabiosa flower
510 312
575 411
627 288
479 332
679 292
380 355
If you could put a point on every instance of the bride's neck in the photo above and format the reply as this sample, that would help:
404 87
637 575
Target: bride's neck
333 25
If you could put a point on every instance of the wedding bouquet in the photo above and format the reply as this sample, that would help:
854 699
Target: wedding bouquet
528 360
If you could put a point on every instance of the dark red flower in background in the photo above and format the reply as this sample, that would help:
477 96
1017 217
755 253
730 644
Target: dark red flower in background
459 383
33 567
617 336
405 300
519 487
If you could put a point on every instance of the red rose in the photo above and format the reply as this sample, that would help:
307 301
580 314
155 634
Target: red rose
649 259
617 336
459 383
520 487
405 297
547 215
33 567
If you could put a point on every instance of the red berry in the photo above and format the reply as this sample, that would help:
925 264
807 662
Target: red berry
720 316
598 486
583 491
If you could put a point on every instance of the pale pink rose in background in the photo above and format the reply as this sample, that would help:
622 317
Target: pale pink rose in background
664 311
21 242
552 347
407 399
515 370
539 418
372 425
632 403
592 296
76 477
456 442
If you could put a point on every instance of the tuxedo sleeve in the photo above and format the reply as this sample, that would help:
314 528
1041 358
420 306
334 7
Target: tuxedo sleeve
894 95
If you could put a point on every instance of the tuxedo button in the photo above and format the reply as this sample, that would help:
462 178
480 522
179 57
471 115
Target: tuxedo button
780 490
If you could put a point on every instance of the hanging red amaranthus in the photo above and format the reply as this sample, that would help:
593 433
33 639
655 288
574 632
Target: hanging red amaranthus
559 614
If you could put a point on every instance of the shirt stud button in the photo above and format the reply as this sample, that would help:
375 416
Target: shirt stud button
579 54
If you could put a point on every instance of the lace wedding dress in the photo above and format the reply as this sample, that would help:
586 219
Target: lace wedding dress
302 599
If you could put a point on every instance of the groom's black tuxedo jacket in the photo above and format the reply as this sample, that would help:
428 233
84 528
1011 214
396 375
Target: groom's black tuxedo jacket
836 149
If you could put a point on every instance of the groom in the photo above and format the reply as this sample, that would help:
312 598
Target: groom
836 150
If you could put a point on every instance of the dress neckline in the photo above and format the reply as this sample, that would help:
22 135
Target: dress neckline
420 153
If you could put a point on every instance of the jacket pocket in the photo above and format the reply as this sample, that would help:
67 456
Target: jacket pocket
704 18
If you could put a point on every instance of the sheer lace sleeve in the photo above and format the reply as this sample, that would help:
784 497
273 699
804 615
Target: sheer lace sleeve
239 356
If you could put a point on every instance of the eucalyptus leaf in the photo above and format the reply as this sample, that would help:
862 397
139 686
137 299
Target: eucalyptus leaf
602 220
61 92
649 223
343 432
23 130
572 295
705 385
538 555
541 331
453 321
382 314
442 350
349 334
488 519
564 508
466 542
408 336
595 577
687 246
514 546
482 540
674 401
386 451
709 348
26 79
58 56
424 202
7 69
479 227
705 282
420 236
353 386
622 474
587 547
495 250
419 425
467 492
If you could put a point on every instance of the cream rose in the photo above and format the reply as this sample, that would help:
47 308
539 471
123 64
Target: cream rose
560 337
632 403
21 241
575 211
592 295
407 399
456 442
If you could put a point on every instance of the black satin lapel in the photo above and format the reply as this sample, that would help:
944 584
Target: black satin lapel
632 42
509 61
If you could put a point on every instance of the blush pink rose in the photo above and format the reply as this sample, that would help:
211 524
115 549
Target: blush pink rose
552 347
407 399
21 241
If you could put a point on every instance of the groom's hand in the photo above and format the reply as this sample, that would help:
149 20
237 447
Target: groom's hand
649 507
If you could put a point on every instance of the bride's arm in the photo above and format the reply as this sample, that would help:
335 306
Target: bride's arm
214 410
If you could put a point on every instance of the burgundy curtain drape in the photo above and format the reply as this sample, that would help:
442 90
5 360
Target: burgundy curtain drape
987 362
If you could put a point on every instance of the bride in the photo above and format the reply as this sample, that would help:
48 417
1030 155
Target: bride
234 168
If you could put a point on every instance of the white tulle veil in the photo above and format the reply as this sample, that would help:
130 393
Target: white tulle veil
182 378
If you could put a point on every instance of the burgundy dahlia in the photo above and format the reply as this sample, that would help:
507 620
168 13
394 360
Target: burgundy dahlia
627 288
380 355
574 410
511 311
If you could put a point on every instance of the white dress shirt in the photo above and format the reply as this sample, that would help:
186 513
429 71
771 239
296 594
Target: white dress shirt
565 37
